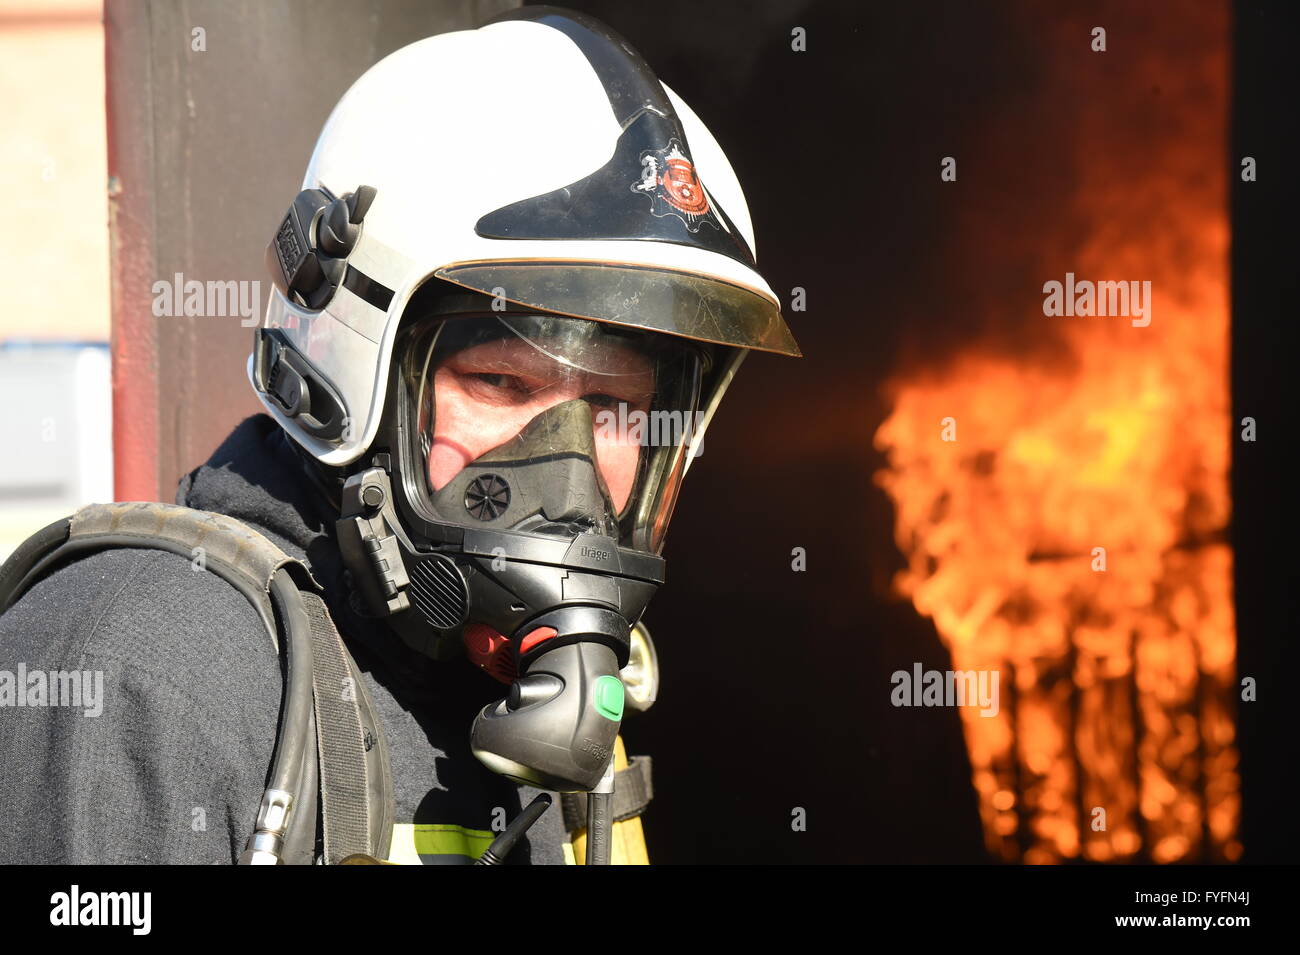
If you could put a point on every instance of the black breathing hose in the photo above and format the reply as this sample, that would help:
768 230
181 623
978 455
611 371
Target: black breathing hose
497 853
295 720
598 828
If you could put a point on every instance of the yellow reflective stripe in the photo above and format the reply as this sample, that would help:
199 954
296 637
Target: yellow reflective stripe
436 839
442 840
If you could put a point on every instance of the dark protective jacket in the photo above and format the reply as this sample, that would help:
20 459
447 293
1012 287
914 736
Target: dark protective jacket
172 767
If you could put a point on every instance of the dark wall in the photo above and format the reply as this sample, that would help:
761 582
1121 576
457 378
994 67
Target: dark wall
1265 289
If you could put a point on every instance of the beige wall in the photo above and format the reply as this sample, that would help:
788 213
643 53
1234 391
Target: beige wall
53 169
54 263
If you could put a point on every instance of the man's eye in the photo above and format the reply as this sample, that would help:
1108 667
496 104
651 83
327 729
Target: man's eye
505 382
602 400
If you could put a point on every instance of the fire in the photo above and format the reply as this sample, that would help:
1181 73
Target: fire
1073 533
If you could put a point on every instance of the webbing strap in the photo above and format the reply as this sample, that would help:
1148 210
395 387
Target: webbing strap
633 791
344 773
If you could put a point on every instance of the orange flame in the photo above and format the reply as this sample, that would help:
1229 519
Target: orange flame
1118 684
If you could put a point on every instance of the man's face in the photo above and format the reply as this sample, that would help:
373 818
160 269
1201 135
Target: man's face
484 395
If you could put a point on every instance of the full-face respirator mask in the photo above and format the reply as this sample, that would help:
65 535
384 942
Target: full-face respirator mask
514 508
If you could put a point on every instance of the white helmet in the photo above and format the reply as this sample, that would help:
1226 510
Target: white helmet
537 160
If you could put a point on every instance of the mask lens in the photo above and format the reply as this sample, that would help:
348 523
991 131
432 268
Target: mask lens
586 420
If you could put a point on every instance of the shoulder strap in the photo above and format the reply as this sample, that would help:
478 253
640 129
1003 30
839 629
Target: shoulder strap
229 548
345 735
356 787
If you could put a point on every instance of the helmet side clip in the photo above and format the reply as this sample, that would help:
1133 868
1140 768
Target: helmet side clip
307 258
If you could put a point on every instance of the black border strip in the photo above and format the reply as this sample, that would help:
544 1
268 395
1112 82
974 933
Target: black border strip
367 289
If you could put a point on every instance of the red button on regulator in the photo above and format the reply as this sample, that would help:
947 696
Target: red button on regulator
540 635
490 650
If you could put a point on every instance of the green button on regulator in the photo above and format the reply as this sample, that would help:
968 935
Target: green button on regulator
609 697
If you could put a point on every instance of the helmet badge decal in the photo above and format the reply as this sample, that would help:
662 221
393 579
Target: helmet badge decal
668 178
